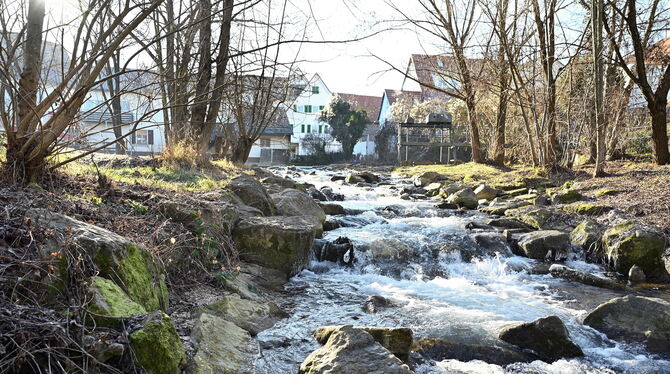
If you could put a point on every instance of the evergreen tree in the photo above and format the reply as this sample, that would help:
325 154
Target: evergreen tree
347 124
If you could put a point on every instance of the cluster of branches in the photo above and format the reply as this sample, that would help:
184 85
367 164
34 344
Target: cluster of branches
530 79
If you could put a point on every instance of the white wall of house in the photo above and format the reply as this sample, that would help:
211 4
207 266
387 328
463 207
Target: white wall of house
365 146
384 112
303 114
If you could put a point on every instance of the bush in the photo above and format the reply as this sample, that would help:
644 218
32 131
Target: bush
183 154
639 142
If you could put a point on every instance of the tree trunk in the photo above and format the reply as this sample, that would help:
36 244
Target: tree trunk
599 84
474 130
241 150
659 131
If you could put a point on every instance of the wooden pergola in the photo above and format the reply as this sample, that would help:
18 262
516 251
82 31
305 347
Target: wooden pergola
436 132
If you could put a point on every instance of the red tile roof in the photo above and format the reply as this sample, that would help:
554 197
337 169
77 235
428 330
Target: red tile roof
394 95
371 104
428 67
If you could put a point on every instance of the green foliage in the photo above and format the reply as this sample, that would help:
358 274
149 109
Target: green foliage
347 124
137 207
606 192
640 142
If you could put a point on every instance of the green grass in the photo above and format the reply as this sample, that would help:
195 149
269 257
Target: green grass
167 177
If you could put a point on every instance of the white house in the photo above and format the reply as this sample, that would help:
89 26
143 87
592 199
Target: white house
303 116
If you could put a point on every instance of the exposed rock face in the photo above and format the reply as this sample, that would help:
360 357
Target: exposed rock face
635 319
538 244
439 350
281 243
465 198
427 178
485 192
292 202
546 336
250 315
157 346
222 347
560 271
130 267
630 243
332 209
397 340
349 350
252 193
110 305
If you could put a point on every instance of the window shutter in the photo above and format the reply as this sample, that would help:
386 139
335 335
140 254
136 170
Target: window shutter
132 139
151 136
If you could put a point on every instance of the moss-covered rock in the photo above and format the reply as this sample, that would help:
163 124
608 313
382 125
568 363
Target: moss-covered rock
630 243
587 235
131 267
282 243
397 340
110 305
539 218
538 244
567 197
222 347
587 209
156 345
606 192
250 315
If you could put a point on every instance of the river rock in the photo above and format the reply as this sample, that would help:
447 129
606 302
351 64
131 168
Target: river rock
128 265
507 223
632 243
433 189
340 251
538 217
332 196
485 192
252 193
109 305
281 243
547 337
350 350
216 218
538 244
375 303
465 198
221 347
561 271
587 235
156 345
292 202
440 350
499 208
427 178
252 316
452 188
636 275
282 182
332 209
397 340
316 194
486 244
634 319
361 177
566 197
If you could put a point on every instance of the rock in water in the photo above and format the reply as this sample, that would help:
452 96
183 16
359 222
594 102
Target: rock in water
631 243
157 346
440 350
538 244
636 275
292 202
587 235
375 303
250 315
349 350
465 198
635 319
485 192
332 209
252 193
281 243
547 337
397 340
560 271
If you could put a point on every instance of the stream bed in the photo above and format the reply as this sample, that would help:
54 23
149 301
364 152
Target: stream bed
441 285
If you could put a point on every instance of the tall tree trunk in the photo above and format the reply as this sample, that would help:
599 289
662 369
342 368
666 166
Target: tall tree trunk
659 131
599 85
18 163
501 115
241 150
474 129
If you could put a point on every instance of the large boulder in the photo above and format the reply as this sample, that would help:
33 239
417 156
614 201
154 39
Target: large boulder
332 209
156 345
561 271
397 340
252 316
282 182
630 243
635 319
587 235
537 217
281 243
499 208
252 193
547 337
349 350
427 178
464 198
566 197
109 305
485 192
440 350
361 177
292 202
129 266
198 217
538 244
221 347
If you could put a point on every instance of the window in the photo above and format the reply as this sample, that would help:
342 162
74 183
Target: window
315 89
321 107
308 109
302 129
295 108
320 129
143 137
265 143
309 128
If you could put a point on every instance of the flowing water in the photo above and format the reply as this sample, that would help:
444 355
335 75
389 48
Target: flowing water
439 289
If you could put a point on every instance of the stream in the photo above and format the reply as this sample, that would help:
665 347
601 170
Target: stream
441 284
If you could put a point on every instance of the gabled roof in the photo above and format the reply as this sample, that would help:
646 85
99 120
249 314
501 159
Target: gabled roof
393 95
371 104
658 54
439 70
